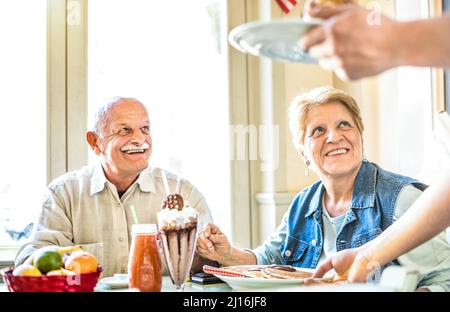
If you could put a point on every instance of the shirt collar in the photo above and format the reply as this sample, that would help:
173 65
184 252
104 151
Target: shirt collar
363 195
145 180
98 179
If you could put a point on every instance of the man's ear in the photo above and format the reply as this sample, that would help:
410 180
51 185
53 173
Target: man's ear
92 139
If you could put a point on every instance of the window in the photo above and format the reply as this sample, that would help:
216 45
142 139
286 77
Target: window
23 77
172 57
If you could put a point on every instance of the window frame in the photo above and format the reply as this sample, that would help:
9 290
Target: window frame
67 102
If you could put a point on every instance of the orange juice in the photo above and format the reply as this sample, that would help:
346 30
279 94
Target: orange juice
144 265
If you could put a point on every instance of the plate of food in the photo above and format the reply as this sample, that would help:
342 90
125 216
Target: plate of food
258 276
275 39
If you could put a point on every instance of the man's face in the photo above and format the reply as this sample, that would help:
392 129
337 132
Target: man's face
125 145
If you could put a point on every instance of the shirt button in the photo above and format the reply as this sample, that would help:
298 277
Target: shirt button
287 253
314 242
120 239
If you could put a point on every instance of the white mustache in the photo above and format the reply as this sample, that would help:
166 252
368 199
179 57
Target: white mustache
131 147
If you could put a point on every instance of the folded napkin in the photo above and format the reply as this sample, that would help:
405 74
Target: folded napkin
221 271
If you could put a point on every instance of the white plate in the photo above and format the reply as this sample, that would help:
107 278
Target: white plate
243 283
116 281
277 39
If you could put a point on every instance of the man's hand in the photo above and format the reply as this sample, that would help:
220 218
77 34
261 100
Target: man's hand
213 244
353 42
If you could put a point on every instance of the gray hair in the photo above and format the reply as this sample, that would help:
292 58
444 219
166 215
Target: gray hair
302 104
101 117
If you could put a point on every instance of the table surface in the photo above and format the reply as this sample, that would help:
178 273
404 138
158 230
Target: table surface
166 287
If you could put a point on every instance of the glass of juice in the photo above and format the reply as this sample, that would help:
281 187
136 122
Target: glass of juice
144 264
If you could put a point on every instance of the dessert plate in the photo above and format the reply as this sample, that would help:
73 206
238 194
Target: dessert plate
241 283
276 39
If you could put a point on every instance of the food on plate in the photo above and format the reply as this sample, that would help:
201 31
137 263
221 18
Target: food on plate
323 3
177 223
81 262
331 2
325 281
270 272
285 273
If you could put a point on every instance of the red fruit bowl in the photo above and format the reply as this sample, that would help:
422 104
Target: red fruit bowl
56 283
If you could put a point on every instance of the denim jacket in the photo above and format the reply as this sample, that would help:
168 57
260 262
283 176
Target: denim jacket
372 210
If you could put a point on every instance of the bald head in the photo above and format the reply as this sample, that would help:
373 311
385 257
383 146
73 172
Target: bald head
103 116
121 139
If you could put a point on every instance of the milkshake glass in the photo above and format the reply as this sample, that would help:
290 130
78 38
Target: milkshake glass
177 223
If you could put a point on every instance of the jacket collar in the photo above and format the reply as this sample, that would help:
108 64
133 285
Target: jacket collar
363 195
98 181
364 189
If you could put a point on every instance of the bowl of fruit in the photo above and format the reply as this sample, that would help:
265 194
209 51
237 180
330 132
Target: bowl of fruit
54 269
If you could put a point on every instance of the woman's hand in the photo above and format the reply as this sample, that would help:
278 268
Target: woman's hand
213 244
349 264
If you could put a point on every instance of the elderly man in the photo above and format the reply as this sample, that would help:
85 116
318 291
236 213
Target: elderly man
91 207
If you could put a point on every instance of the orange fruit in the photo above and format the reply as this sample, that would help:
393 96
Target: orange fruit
81 262
26 270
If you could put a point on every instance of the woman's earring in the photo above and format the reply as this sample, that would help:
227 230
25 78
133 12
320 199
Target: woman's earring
364 158
307 168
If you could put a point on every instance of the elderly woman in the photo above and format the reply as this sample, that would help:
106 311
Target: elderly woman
354 201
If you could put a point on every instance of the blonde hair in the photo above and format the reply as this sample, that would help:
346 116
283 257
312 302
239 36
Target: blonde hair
302 104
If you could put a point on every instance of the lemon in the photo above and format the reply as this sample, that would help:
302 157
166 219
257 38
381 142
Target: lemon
47 260
60 272
26 270
67 272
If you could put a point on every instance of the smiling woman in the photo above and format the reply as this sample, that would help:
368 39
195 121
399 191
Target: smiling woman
323 116
354 201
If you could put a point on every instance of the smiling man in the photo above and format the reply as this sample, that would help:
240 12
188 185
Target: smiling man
91 207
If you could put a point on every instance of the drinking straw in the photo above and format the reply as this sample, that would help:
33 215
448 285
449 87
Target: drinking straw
165 183
133 212
177 188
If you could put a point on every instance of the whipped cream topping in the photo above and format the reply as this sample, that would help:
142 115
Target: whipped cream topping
174 218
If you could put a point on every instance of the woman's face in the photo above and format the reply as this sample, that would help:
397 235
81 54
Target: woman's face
333 143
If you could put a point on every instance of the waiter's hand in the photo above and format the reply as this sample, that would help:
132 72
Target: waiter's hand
349 264
353 42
